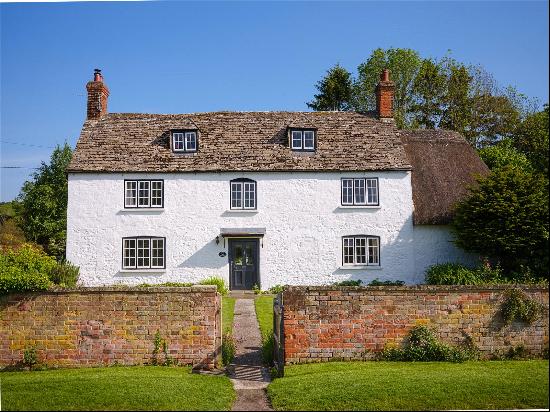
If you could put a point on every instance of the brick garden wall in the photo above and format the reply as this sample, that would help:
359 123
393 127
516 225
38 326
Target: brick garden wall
353 323
105 326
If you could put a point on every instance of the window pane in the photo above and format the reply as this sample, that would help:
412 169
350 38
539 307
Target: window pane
157 253
249 195
156 193
130 194
359 191
143 193
178 141
309 140
348 249
374 251
296 139
236 196
249 252
372 191
347 191
360 250
129 253
190 141
143 253
238 255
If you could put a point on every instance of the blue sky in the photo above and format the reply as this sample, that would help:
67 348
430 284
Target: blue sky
179 57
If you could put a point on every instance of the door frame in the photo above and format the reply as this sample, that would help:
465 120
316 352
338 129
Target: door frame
255 239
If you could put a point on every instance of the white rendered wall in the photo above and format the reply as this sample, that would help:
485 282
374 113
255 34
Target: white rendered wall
300 211
434 244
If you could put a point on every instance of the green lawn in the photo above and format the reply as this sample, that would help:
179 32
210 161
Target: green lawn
264 313
115 388
414 386
228 313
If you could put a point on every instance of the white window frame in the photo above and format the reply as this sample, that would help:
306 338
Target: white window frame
150 198
356 242
178 141
301 138
243 187
190 137
131 244
366 182
182 139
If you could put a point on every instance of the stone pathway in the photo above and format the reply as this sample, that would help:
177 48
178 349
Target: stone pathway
248 375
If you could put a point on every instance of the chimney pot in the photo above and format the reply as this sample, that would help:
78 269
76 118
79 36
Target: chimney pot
384 96
97 97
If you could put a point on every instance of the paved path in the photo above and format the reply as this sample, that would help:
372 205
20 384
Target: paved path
248 375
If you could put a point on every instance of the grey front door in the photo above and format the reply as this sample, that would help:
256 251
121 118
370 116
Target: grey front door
243 263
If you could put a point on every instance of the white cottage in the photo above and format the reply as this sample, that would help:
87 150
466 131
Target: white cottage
262 198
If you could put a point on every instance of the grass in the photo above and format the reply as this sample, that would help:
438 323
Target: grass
412 386
115 388
228 313
264 313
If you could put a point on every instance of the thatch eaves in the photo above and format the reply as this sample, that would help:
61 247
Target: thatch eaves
444 167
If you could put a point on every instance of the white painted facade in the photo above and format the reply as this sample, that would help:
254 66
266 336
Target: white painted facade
300 211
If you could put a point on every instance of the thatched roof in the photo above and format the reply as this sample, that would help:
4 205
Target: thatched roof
444 166
238 141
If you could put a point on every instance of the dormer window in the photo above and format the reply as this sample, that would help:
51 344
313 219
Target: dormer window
302 140
184 141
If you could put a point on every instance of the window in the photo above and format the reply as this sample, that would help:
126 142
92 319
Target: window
302 139
143 193
360 192
184 141
361 250
143 253
243 194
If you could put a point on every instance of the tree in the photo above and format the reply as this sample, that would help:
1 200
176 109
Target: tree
43 214
432 94
531 138
403 65
504 154
506 218
335 91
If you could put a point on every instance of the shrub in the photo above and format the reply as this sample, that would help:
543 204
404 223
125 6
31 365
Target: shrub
64 274
30 357
25 270
218 282
268 345
228 348
518 306
348 283
506 218
377 282
456 274
275 290
423 346
256 289
165 284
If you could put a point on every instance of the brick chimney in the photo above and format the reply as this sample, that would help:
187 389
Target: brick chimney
384 96
97 97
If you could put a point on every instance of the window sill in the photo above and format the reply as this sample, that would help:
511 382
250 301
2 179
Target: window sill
360 267
138 271
241 211
142 209
359 207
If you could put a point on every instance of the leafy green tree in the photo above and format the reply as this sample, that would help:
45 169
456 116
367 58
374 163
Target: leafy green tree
403 65
428 91
504 154
531 138
43 214
506 218
335 91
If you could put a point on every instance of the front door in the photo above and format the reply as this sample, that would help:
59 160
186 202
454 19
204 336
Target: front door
243 263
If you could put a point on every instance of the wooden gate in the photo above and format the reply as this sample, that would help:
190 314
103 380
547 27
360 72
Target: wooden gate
279 335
